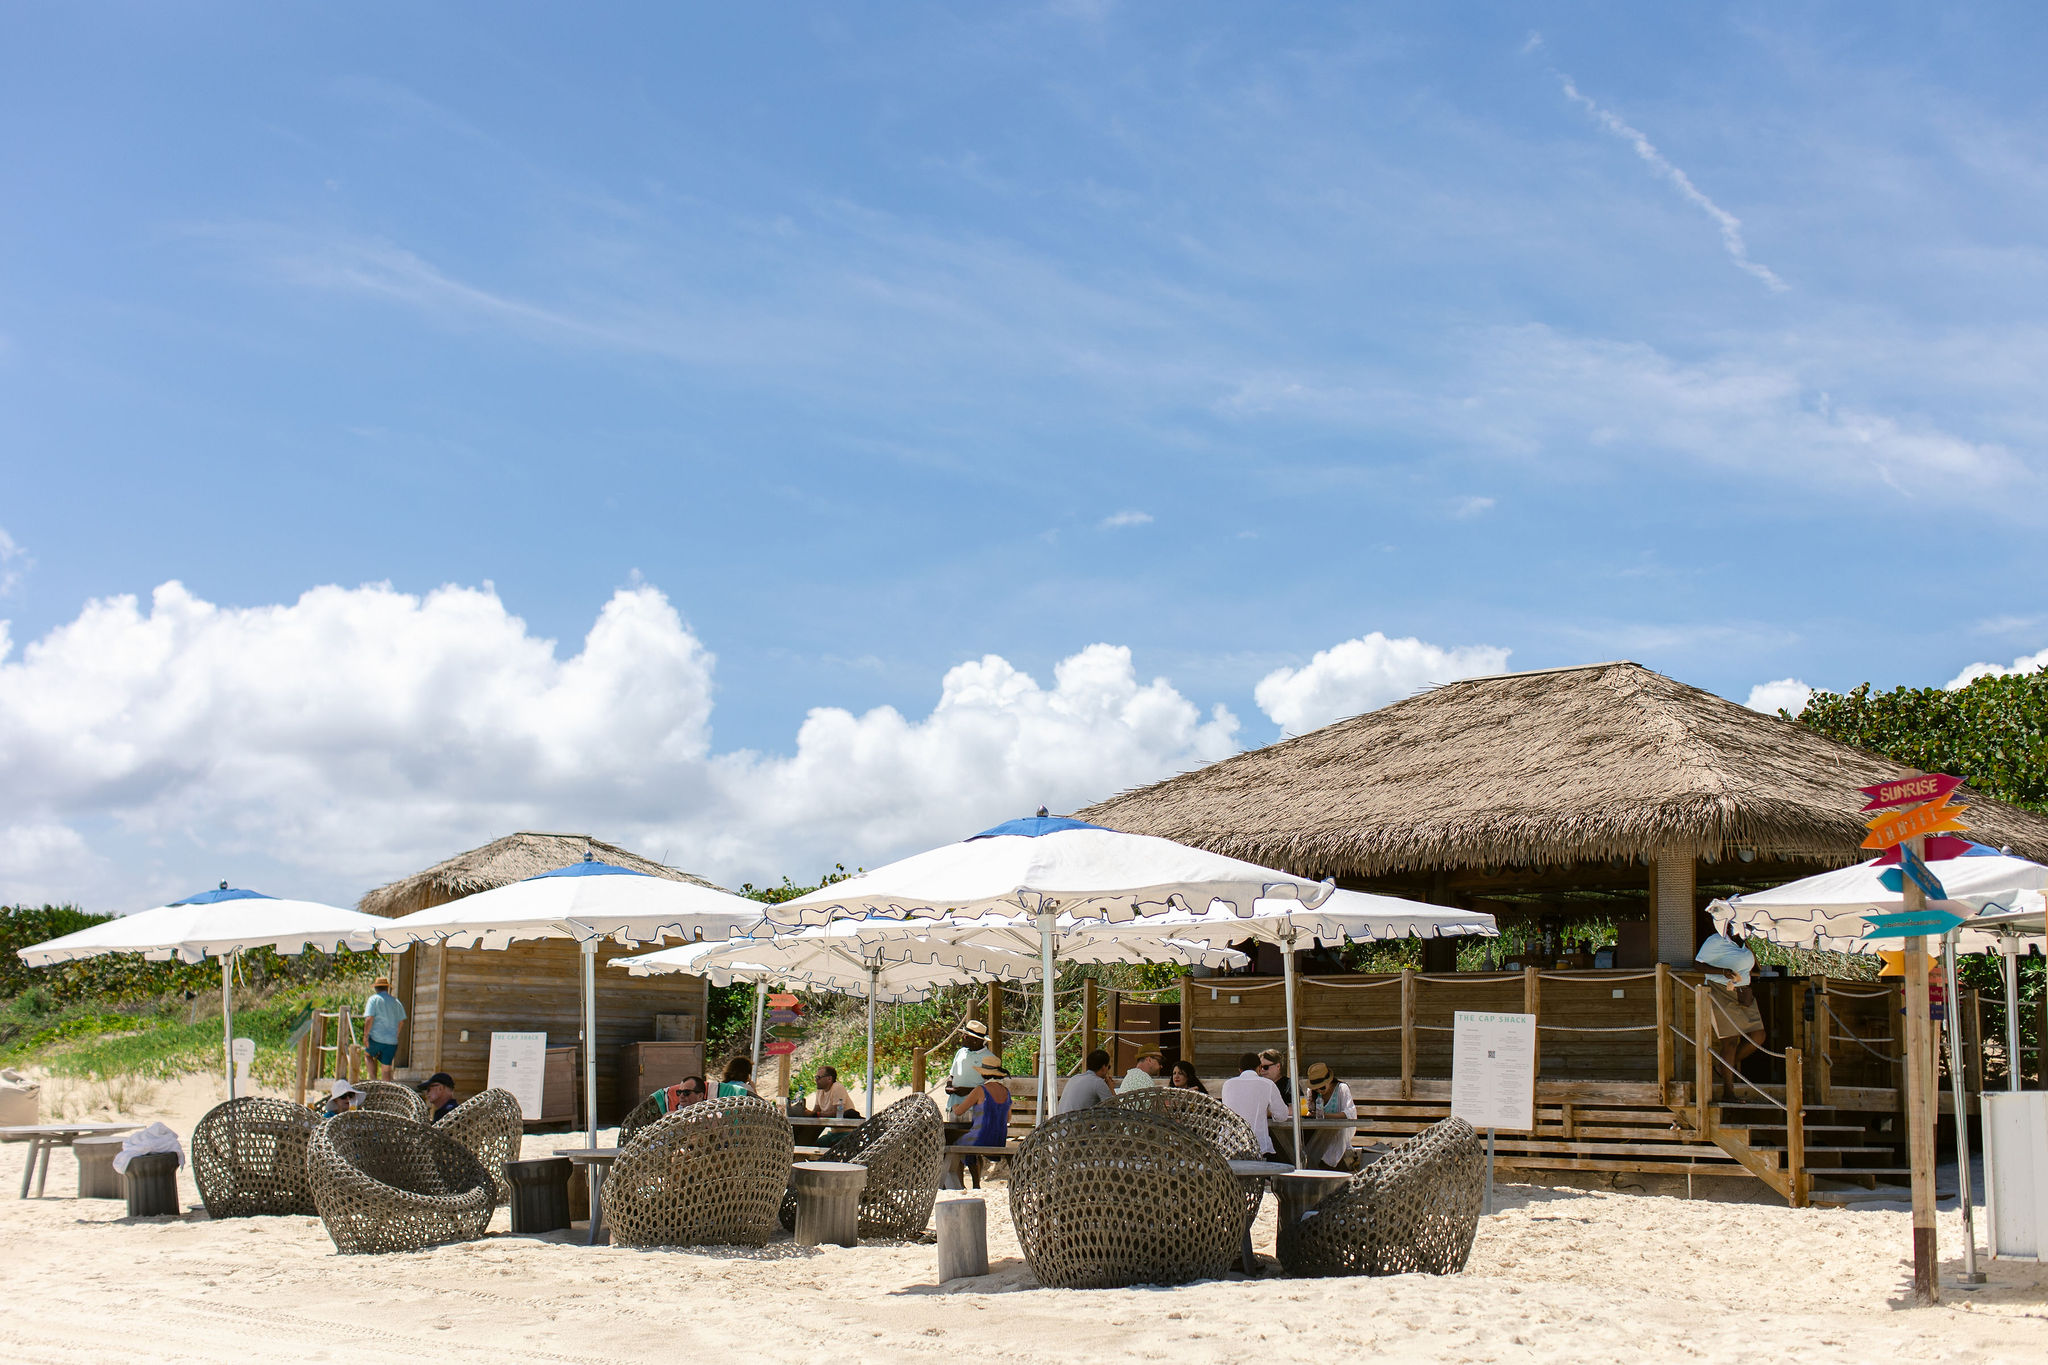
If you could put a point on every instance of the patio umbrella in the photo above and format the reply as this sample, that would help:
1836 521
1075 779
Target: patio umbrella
828 957
589 902
1345 917
219 923
1046 867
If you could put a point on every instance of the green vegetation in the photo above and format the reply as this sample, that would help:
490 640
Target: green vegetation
1993 734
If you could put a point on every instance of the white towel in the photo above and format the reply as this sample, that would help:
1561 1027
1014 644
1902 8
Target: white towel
155 1138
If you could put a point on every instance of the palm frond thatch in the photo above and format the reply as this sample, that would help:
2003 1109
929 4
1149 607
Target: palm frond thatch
499 863
1557 766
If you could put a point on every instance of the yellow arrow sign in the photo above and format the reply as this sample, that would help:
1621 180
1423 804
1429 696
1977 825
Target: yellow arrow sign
1895 827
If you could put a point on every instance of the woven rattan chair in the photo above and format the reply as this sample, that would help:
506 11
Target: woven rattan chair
709 1175
1209 1119
902 1147
491 1125
1415 1210
383 1183
1112 1196
389 1097
249 1158
641 1114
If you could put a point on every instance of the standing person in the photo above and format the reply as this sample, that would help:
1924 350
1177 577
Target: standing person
739 1075
1738 1023
991 1122
1255 1096
1184 1077
1089 1087
383 1018
965 1072
439 1090
1329 1098
1143 1075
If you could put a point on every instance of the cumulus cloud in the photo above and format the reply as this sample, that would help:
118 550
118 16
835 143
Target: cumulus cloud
357 734
2026 663
1128 518
1361 674
1788 694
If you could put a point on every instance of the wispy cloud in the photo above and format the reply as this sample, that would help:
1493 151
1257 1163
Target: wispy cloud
14 562
1466 508
1728 223
1119 520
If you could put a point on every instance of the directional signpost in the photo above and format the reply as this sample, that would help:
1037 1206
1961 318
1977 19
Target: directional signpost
1894 878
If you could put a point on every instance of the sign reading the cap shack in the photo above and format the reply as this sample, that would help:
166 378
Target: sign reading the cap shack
1906 791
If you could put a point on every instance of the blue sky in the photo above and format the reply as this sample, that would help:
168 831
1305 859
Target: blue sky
845 348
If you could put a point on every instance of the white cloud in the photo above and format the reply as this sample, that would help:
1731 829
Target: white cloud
1730 226
358 734
1466 508
1789 694
1128 518
14 562
1361 674
2026 663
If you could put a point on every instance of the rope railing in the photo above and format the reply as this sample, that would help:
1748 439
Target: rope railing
1835 1020
1587 1028
1336 1028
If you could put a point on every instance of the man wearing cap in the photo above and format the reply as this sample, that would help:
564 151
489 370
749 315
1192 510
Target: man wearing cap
383 1017
1329 1098
439 1090
965 1073
1143 1075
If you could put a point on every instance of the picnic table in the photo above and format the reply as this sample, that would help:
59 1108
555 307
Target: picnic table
43 1136
598 1161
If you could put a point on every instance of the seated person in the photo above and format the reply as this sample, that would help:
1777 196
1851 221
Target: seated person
1090 1087
439 1090
830 1100
342 1096
1329 1098
1254 1094
1143 1075
965 1072
991 1123
739 1076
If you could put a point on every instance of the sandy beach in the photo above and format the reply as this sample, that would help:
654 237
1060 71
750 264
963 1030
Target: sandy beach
1557 1274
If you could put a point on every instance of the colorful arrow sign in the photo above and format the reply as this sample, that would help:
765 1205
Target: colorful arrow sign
1922 877
784 1017
786 1031
1906 791
1898 826
1911 923
781 1000
780 1047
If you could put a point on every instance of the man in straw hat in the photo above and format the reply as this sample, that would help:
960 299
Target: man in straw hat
965 1073
1143 1075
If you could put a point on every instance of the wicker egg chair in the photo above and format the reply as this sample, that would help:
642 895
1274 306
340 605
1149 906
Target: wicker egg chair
1111 1196
903 1148
1413 1211
647 1111
1209 1119
383 1183
491 1125
249 1158
389 1097
709 1175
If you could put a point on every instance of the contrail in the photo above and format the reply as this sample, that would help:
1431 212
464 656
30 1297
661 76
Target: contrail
1730 225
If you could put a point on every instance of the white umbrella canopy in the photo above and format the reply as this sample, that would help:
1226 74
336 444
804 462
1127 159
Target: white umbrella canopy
1828 910
828 957
1049 866
218 923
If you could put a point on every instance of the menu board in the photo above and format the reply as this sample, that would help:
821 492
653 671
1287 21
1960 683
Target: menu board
519 1063
1493 1070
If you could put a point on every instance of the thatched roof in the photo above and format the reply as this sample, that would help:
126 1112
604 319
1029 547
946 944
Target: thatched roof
1558 766
501 862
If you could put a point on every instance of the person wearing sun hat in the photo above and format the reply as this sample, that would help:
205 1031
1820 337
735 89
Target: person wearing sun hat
1329 1098
965 1072
991 1128
342 1096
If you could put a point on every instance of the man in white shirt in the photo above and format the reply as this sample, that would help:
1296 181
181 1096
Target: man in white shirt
1143 1075
1329 1098
1254 1095
1090 1088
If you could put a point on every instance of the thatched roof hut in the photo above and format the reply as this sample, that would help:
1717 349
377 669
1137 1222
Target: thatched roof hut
499 863
1564 765
1546 784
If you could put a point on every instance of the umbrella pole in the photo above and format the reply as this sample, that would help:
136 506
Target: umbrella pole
590 1057
1048 1062
1971 1275
2012 1014
872 973
1293 1055
227 1017
760 1000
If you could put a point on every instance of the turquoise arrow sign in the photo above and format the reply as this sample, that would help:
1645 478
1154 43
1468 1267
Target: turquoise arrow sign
1911 923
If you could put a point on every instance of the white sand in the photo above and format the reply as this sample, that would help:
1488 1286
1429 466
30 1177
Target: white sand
1565 1275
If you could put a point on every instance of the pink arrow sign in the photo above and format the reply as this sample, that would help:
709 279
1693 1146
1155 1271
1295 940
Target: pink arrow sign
1905 791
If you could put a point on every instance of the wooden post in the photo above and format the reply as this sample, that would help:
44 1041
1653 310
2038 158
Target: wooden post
1795 1124
1532 1003
1088 1038
1187 1020
1919 1091
995 1017
1663 1033
1407 1033
2041 1041
1824 1021
1972 1020
917 1065
305 1047
1703 1060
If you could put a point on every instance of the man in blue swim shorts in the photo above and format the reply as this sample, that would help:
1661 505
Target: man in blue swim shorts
383 1017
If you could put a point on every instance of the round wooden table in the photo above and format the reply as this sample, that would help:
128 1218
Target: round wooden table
43 1136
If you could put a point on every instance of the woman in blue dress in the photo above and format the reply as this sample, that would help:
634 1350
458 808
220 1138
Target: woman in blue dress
992 1121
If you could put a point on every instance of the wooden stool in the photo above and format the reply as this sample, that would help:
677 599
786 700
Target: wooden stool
963 1238
1300 1191
540 1194
827 1201
97 1178
153 1185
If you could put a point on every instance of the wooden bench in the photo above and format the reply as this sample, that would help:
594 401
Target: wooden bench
1002 1153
